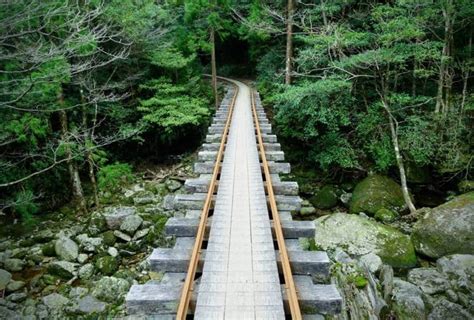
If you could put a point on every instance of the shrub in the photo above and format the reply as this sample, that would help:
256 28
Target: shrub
112 176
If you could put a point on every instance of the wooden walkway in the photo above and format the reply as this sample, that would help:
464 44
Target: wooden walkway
240 276
234 258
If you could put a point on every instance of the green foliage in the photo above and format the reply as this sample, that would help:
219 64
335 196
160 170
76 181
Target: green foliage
174 108
112 177
25 205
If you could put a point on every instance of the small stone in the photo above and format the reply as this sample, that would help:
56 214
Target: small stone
144 197
14 265
141 233
86 271
113 252
345 199
123 236
459 268
386 215
114 216
66 249
307 211
131 224
173 185
81 258
63 269
77 292
5 278
429 280
341 256
89 244
451 295
372 262
89 305
17 297
55 301
15 286
110 289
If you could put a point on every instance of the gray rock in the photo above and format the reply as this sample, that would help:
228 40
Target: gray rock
66 249
345 198
131 223
82 257
6 313
113 252
89 244
125 237
168 202
55 302
63 269
371 261
114 216
459 268
446 229
15 285
14 265
86 271
5 278
77 292
17 297
429 280
141 233
144 197
90 305
173 185
407 301
307 211
444 309
342 256
359 236
110 289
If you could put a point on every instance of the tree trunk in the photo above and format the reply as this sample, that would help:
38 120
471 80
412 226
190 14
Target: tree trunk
403 180
88 141
442 95
213 66
465 76
76 185
289 42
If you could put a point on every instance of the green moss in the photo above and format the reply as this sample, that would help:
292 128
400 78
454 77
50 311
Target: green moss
48 249
386 215
326 198
360 281
107 265
109 238
376 192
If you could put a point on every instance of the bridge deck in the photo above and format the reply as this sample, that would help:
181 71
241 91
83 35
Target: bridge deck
240 275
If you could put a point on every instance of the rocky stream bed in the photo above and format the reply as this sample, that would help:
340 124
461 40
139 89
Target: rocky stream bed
387 265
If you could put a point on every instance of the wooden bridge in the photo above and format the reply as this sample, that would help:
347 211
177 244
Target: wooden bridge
237 253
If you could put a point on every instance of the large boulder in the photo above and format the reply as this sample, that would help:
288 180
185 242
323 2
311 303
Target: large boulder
326 198
66 249
459 268
429 280
110 289
360 236
376 192
445 309
446 229
407 301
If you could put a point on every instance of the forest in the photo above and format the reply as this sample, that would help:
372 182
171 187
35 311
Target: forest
97 95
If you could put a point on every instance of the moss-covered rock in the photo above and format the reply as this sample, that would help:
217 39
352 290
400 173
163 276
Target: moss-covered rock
446 229
109 238
359 236
108 265
376 192
326 198
48 249
386 215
